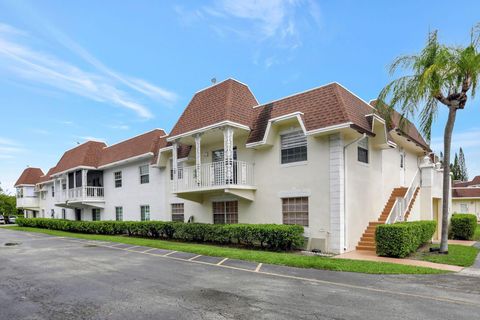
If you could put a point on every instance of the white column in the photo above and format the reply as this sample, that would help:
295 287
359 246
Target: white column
84 183
198 158
175 165
228 153
337 189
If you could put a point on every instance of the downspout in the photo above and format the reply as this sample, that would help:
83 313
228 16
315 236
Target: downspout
345 187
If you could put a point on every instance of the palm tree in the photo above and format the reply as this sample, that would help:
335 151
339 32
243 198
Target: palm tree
439 74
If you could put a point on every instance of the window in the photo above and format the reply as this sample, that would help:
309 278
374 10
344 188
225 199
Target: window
179 169
119 213
118 179
402 160
64 185
295 211
19 192
64 214
294 147
52 213
95 214
178 212
144 174
53 191
464 207
225 212
145 213
363 150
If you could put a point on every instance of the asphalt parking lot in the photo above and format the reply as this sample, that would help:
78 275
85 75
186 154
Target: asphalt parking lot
45 277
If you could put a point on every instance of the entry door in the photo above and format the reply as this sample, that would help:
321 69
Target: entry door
218 157
78 214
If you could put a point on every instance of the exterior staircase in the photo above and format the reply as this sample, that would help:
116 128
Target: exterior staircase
367 241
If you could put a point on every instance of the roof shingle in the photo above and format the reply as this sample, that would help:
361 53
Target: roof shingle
29 176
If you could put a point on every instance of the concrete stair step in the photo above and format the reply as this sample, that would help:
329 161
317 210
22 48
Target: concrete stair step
366 248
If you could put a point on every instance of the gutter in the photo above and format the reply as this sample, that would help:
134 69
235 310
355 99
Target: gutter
364 135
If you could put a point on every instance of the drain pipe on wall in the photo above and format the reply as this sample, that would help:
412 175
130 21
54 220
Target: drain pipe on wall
345 187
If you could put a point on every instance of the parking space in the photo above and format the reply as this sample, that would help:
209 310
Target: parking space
58 278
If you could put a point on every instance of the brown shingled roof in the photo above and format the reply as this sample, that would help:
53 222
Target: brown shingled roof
87 154
227 100
407 128
474 181
322 107
47 176
466 193
148 142
29 176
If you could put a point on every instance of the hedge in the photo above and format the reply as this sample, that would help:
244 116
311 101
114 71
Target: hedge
462 226
267 236
401 239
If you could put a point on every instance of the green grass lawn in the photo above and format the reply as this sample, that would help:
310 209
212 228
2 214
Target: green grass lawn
476 237
279 258
458 255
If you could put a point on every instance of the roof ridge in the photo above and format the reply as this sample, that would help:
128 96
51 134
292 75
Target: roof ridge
136 136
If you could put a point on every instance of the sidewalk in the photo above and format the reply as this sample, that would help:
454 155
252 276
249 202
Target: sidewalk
372 256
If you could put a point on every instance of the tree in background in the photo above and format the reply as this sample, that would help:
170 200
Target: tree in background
439 74
455 168
462 166
8 203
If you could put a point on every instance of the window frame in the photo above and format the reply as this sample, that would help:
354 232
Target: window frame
64 213
143 174
297 148
178 212
227 217
117 179
296 220
363 149
119 214
96 211
145 214
53 190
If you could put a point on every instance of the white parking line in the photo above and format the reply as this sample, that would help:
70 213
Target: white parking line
257 269
166 255
193 258
220 263
148 250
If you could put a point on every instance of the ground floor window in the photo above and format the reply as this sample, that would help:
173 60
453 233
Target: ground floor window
145 213
464 207
225 212
178 212
52 213
64 214
95 214
119 213
295 211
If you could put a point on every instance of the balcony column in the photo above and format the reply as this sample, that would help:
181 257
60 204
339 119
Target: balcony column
198 158
175 164
84 182
228 153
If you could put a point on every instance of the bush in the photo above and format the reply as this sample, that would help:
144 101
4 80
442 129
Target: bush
462 226
401 239
268 236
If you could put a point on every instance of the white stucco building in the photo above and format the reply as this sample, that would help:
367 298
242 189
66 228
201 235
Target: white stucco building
322 158
466 197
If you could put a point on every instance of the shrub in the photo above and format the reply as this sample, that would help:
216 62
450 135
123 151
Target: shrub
268 236
462 226
401 239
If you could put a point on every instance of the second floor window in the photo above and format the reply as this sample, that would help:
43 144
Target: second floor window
145 213
363 150
294 147
144 174
118 179
53 191
119 213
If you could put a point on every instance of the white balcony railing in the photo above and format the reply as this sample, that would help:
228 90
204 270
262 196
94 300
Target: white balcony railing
85 193
214 175
27 202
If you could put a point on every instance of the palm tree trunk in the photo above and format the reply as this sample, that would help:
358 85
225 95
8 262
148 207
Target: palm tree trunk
447 142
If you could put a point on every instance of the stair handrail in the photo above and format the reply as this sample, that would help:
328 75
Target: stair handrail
402 204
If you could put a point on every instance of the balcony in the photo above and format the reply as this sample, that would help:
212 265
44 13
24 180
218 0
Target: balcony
27 203
86 195
236 177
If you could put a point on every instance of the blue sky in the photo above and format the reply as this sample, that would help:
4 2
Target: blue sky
109 70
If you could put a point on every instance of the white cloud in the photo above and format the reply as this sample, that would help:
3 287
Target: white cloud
104 85
120 126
